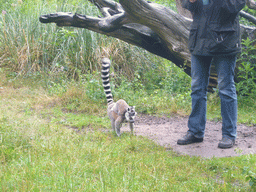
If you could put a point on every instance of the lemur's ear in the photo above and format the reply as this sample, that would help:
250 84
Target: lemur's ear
134 107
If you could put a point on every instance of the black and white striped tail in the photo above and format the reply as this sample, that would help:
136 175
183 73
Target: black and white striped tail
105 79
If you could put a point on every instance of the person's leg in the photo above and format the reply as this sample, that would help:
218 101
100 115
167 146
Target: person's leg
225 66
200 70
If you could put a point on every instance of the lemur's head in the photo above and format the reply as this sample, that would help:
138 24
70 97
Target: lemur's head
130 114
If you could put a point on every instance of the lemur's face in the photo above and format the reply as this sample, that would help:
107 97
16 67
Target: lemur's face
130 114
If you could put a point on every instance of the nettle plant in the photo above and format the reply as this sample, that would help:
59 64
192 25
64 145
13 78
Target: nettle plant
247 69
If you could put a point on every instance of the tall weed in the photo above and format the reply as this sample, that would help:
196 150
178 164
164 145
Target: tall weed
29 46
247 70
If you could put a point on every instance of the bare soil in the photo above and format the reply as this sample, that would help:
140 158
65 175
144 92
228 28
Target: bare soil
166 131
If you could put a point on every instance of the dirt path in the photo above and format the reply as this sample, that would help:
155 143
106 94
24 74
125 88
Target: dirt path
166 131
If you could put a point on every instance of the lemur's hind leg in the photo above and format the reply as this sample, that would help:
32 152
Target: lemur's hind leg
113 124
131 127
118 124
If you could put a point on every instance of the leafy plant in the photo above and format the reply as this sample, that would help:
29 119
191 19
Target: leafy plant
251 177
247 69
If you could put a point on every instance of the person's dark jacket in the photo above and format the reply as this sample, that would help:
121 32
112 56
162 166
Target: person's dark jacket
215 29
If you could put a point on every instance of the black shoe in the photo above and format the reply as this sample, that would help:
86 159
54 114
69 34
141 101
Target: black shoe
226 142
188 139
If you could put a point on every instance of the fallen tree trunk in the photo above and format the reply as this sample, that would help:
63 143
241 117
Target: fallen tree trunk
150 26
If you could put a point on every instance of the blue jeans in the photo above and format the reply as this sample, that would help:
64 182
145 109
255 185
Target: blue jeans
200 71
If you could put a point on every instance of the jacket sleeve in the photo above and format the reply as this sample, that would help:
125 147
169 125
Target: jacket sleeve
230 9
232 6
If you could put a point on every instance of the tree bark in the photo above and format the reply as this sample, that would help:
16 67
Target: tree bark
151 26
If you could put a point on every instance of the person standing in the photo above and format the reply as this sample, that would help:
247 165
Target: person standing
214 39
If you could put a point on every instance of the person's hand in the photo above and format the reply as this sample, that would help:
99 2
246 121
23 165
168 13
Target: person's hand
192 1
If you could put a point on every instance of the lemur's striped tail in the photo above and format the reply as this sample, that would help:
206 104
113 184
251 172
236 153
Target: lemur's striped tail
105 79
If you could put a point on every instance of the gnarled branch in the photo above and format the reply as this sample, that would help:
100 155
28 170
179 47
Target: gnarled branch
151 26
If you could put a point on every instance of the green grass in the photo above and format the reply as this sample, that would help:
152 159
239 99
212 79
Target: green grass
54 131
49 141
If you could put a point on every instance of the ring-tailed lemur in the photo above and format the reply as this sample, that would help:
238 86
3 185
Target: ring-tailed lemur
117 111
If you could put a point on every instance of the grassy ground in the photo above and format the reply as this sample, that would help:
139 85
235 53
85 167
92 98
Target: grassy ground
54 133
46 145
